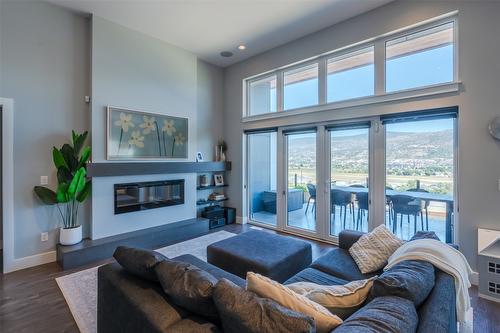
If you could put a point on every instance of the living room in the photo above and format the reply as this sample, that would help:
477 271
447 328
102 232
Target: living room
280 146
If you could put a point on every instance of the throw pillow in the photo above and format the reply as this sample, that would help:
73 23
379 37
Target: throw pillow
372 250
388 314
425 235
410 279
188 286
244 311
265 287
341 300
139 262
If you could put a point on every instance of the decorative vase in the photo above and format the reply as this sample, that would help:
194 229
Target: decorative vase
70 236
223 156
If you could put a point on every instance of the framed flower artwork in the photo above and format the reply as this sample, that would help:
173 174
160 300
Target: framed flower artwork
142 135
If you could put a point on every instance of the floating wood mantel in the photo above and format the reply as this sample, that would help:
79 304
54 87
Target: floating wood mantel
110 169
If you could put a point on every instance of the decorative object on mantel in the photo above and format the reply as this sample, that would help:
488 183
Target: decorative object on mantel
141 135
73 186
220 151
218 180
204 181
494 128
199 156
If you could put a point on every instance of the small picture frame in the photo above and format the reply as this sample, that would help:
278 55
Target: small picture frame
199 156
218 180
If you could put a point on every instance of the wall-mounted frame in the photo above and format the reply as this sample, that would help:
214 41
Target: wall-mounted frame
137 135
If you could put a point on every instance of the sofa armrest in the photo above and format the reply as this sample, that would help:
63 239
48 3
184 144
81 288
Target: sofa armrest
348 237
126 303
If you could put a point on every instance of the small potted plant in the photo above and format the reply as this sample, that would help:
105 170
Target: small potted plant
73 186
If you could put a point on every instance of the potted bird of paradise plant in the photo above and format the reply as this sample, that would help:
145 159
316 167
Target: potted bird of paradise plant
73 186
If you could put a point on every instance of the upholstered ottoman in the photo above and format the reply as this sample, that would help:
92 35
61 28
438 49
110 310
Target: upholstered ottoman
277 257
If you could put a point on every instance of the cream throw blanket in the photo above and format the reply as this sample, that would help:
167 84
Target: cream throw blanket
447 259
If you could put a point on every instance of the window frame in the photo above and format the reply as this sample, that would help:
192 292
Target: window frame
380 94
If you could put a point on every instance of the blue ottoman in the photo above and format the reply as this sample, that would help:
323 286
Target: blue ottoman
277 257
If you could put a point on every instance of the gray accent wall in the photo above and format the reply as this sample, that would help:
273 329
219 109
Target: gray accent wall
478 100
45 66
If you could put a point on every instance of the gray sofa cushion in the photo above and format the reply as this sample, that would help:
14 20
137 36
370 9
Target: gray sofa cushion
188 286
245 312
215 271
410 279
389 314
140 262
315 276
438 314
424 235
192 324
339 263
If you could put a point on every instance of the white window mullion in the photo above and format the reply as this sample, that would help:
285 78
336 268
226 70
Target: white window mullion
322 79
279 90
377 175
379 55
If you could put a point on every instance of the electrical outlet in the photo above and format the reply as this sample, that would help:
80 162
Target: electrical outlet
44 180
44 236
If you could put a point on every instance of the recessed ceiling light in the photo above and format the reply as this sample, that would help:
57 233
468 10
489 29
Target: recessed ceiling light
241 47
226 54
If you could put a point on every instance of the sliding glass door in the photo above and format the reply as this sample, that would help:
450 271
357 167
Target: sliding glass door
420 182
349 177
301 184
397 169
262 173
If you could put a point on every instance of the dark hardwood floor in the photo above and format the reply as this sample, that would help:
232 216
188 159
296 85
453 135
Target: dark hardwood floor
30 300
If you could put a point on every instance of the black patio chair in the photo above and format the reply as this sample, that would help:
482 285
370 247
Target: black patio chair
342 199
404 205
424 205
362 199
311 188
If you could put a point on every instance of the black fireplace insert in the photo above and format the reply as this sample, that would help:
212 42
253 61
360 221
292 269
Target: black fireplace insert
132 197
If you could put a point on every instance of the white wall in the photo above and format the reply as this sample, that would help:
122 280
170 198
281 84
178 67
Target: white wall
44 62
478 101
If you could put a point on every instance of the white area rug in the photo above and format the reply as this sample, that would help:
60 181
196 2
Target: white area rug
80 288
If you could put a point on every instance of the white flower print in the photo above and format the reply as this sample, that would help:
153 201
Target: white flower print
136 139
148 125
179 139
168 126
125 122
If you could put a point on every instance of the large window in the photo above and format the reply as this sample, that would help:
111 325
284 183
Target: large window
301 87
420 163
351 76
420 59
262 95
397 63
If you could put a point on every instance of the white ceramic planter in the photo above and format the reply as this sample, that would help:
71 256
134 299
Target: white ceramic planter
70 236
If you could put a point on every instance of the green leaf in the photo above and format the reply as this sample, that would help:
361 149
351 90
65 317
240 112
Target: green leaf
85 192
47 196
58 158
63 175
85 157
78 141
62 193
77 184
69 156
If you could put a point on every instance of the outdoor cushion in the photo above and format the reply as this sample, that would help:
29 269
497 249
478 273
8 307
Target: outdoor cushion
188 286
373 249
244 311
139 262
263 252
389 314
339 263
265 287
410 279
316 276
215 271
341 300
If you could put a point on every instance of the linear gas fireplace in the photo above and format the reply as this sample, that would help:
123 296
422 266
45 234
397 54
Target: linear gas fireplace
133 197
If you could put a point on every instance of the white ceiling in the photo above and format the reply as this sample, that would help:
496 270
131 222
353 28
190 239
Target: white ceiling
207 27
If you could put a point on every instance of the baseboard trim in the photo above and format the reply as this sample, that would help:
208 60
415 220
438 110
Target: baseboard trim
241 220
30 261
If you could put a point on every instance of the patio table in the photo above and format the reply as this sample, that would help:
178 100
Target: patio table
447 199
